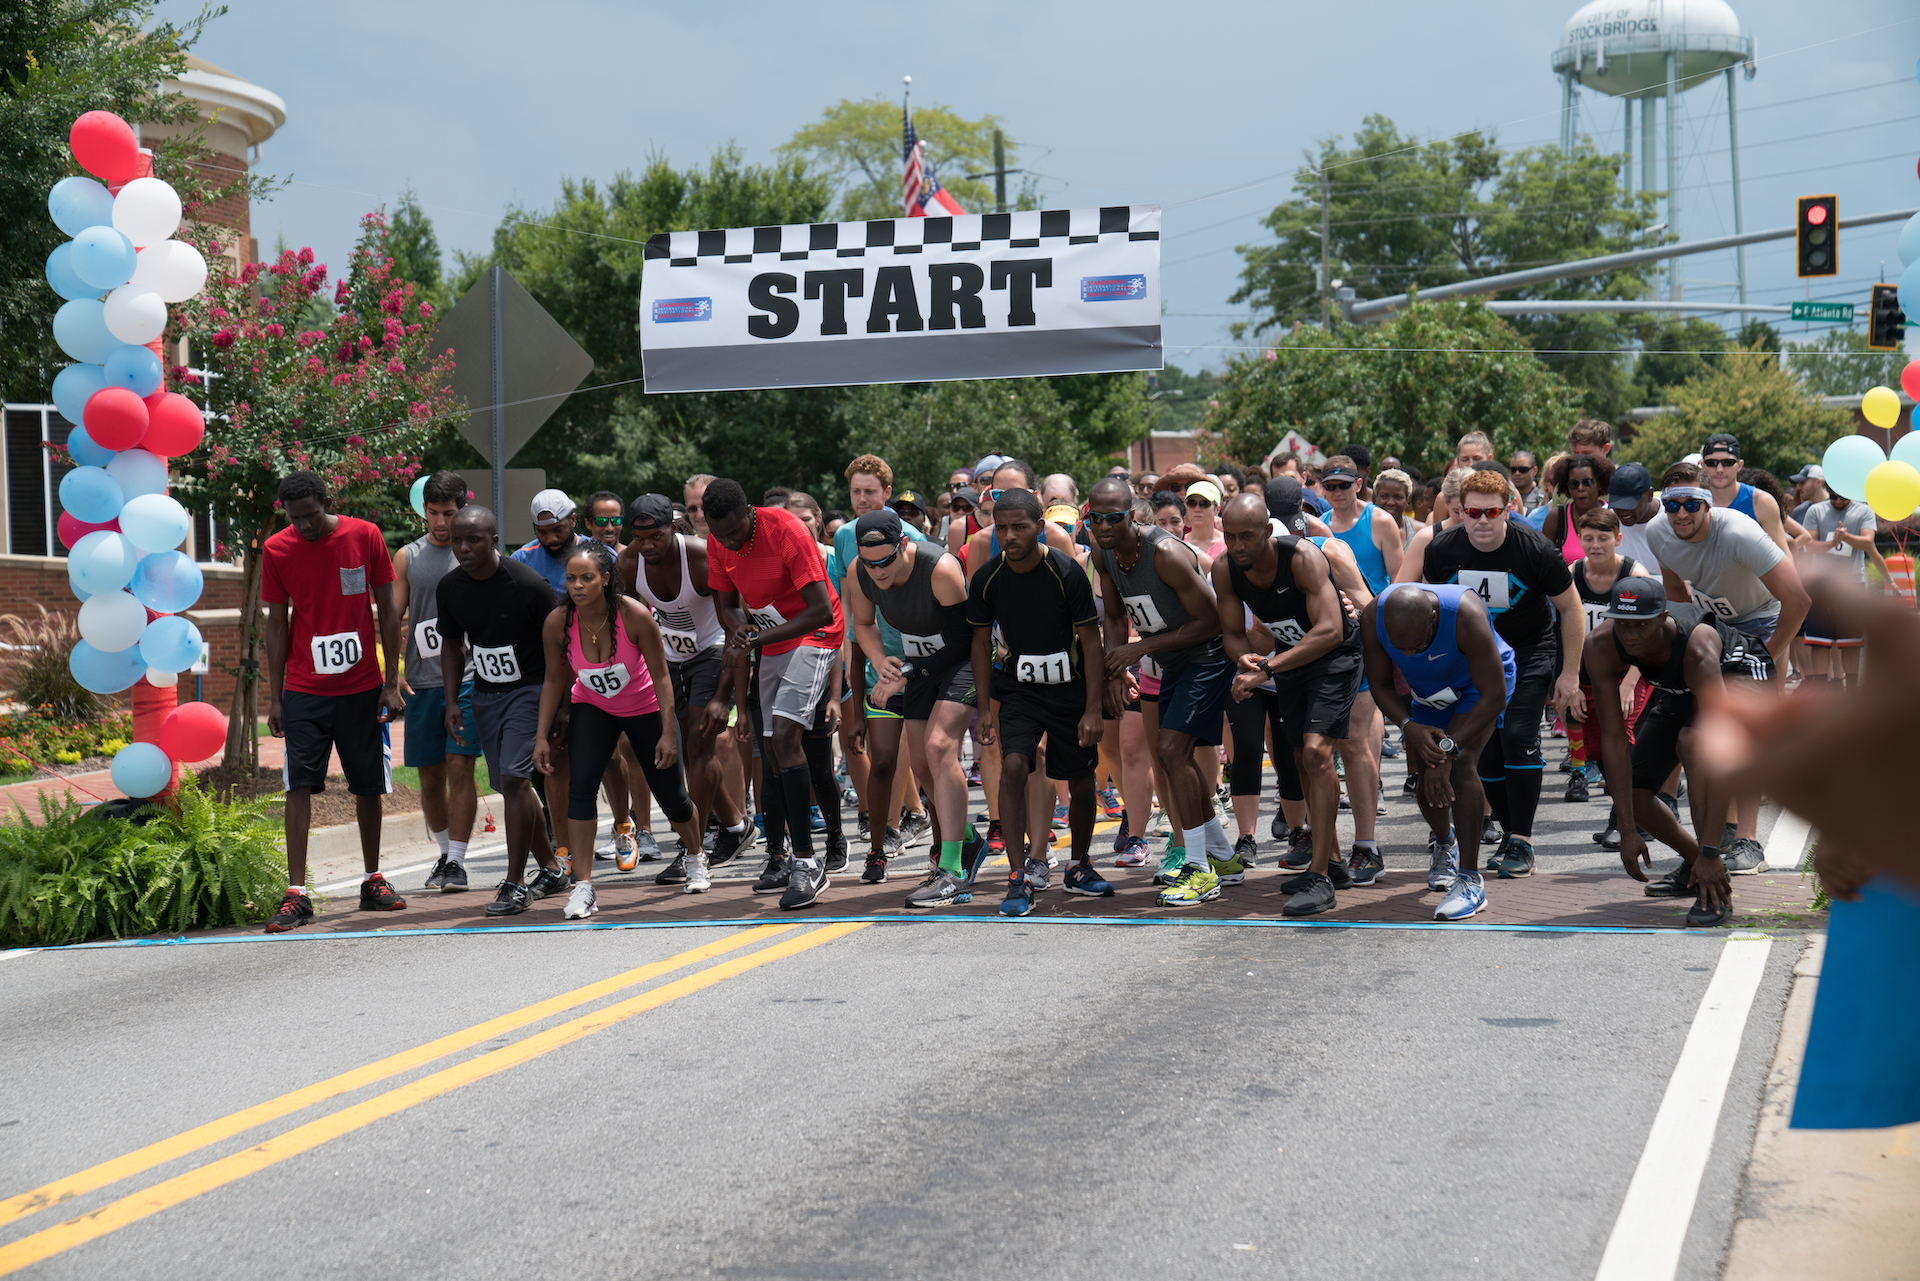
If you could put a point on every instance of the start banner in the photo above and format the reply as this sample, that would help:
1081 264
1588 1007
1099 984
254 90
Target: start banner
1057 291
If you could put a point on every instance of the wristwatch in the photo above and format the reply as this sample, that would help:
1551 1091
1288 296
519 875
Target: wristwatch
1447 745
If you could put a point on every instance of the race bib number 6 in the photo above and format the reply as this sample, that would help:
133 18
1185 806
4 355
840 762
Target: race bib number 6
497 664
1044 669
335 654
426 638
605 681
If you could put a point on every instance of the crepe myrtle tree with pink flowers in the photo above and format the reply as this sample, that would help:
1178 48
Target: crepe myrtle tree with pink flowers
359 402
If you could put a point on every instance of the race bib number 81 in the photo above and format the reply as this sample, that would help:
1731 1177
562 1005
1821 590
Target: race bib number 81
1145 614
335 654
1044 669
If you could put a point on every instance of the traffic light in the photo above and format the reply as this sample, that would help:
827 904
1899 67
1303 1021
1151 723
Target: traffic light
1816 235
1886 323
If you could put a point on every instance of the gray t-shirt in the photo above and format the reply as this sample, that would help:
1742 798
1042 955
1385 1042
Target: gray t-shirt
1722 571
1823 519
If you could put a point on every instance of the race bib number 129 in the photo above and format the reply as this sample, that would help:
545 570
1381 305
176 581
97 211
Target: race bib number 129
335 654
680 646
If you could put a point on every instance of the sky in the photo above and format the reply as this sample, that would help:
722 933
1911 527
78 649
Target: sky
1204 109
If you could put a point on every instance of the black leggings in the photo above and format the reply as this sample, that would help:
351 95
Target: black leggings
1250 722
592 735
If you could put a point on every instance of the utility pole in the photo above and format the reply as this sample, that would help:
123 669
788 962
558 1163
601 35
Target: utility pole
999 172
1326 252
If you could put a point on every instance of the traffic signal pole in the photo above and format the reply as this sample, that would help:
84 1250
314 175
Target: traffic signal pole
1733 151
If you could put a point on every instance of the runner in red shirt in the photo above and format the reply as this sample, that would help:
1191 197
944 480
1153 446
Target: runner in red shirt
325 689
770 586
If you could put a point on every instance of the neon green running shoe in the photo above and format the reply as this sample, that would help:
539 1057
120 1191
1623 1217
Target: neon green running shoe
1193 886
1172 859
1230 871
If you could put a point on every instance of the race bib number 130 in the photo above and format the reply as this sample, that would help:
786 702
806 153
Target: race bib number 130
335 654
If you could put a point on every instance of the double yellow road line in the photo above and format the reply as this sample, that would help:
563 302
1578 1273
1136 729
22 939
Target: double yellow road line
183 1187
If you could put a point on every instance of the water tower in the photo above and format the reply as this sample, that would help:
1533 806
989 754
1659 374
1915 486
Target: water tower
1644 51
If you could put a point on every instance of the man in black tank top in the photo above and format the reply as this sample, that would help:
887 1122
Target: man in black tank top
1315 671
1684 651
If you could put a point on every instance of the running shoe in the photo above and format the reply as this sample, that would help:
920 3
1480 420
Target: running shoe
1515 860
804 882
1121 835
1161 824
727 844
973 848
1744 857
448 876
1346 806
1443 865
699 879
1577 787
940 889
1312 898
1466 897
1171 861
816 821
1700 916
674 873
1728 835
892 844
1412 784
1247 850
836 854
1671 802
378 896
773 878
1059 816
1191 887
876 870
580 903
1389 750
1675 884
995 841
973 774
1609 838
1365 865
1134 855
645 847
1110 802
294 911
1019 899
1081 878
1489 831
1566 765
1229 871
1039 874
1299 848
623 846
513 899
865 825
1278 829
914 827
548 880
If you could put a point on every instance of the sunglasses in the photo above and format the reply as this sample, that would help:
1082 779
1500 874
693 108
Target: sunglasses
1199 502
1519 470
1688 505
1336 486
1106 518
1720 462
994 494
1588 483
1482 513
606 522
883 562
959 509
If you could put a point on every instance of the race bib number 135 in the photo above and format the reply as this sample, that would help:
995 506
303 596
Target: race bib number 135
497 664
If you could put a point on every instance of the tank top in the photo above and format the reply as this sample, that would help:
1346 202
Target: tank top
1671 676
427 564
620 686
1281 606
1155 607
1593 602
689 624
910 608
1366 553
1439 675
1743 501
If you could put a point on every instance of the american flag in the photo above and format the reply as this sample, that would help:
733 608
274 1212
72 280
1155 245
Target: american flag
918 185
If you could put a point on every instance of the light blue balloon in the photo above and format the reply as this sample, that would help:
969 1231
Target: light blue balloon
166 582
79 203
60 275
134 367
73 387
103 561
1910 242
1907 450
80 327
85 452
170 644
106 673
1909 290
91 495
141 769
155 522
103 257
1847 462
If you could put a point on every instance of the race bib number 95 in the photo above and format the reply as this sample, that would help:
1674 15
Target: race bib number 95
605 681
1044 669
335 654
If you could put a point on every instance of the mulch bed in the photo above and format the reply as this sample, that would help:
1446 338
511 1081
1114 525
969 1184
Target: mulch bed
330 808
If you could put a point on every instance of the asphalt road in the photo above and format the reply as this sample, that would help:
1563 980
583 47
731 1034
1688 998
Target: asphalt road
1007 1099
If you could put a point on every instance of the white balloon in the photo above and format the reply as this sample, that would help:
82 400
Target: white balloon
173 269
136 314
146 211
160 679
112 621
139 472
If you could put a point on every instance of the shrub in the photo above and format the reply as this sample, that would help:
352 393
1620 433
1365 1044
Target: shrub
84 875
36 737
35 668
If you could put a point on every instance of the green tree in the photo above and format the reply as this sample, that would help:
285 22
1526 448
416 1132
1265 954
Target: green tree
1748 393
1837 363
859 145
1180 399
1410 387
58 60
416 249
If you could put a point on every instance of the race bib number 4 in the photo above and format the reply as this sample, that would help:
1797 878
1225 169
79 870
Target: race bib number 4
922 646
1145 614
335 654
680 645
765 618
497 664
1044 669
1713 604
1489 585
605 681
426 638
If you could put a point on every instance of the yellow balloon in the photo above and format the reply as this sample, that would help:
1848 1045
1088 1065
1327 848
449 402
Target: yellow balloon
1893 490
1881 406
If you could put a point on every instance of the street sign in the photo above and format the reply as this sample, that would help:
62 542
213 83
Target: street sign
1839 313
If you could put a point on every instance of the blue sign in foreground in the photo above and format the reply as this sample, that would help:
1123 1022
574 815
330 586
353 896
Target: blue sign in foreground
1862 1066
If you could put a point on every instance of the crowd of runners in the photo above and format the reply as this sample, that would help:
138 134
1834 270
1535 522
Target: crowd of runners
1141 654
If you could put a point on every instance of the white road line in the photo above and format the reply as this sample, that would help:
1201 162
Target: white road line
18 951
1652 1226
1787 842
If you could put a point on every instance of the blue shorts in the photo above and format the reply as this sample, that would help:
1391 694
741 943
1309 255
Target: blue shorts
427 742
1193 699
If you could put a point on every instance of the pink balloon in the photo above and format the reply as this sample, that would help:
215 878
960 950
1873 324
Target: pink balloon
105 146
71 531
115 418
1910 379
175 425
192 732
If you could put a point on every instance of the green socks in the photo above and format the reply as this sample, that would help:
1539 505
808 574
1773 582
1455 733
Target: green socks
950 855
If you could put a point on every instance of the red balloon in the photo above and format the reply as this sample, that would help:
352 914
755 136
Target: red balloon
115 418
174 425
105 146
71 531
1910 379
192 732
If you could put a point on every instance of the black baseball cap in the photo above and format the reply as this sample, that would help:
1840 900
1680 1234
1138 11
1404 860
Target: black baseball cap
1721 440
1340 470
878 529
967 494
650 511
1283 503
1635 597
1629 485
907 498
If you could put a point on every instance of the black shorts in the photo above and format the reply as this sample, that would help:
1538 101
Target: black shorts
509 720
695 682
1819 629
1656 737
955 685
1318 699
318 725
1024 719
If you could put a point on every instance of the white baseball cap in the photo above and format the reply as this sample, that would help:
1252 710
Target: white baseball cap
551 506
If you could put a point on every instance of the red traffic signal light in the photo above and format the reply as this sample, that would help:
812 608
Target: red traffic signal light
1816 235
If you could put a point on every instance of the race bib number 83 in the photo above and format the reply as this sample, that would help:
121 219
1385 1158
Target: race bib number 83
335 654
1044 669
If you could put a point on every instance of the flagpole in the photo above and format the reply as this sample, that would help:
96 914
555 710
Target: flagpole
907 105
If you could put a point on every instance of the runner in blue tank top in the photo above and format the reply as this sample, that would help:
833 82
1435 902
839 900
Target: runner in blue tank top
1720 461
1461 672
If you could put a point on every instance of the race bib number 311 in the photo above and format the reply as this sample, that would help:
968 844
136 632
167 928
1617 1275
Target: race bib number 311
335 654
1044 669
